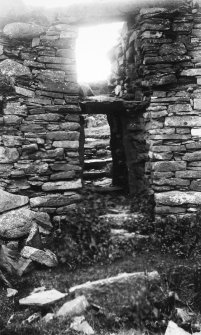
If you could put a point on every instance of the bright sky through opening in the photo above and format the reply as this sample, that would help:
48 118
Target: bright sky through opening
93 45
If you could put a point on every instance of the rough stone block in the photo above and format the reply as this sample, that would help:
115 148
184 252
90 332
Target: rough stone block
24 91
169 166
12 68
183 121
196 185
55 200
55 60
22 30
51 75
193 146
15 223
45 257
177 108
12 141
63 135
177 198
62 175
34 64
67 87
12 120
173 48
10 201
65 167
66 144
172 182
159 175
191 72
197 104
163 25
62 185
192 156
189 174
169 210
160 155
8 155
168 148
170 137
70 126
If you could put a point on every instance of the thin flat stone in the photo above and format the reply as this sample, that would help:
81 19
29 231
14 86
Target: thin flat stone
174 198
10 201
42 298
45 257
62 185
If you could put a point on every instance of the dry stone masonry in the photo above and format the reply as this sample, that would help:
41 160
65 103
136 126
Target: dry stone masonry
156 77
158 61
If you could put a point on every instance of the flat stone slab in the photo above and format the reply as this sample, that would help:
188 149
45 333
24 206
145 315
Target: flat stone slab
175 198
96 163
10 201
44 257
62 185
22 30
117 290
42 298
119 220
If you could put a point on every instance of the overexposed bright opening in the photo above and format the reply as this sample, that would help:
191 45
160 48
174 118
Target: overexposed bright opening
93 45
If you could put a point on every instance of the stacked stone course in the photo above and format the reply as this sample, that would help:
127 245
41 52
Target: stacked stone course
158 61
40 122
157 74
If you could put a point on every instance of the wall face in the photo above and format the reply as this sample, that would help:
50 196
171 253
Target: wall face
156 71
39 117
158 62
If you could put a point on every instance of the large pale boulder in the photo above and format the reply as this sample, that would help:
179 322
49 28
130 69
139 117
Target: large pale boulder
10 201
118 289
11 68
74 307
23 30
17 223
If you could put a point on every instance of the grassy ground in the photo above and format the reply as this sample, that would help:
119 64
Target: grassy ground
177 275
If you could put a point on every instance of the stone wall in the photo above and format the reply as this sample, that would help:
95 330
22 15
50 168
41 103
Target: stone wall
158 62
40 122
156 72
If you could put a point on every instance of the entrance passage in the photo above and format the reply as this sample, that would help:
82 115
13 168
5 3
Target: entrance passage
104 155
97 152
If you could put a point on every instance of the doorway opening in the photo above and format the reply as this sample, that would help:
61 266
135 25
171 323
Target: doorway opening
104 162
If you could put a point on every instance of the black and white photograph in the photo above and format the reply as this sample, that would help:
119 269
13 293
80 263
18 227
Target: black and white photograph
100 167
